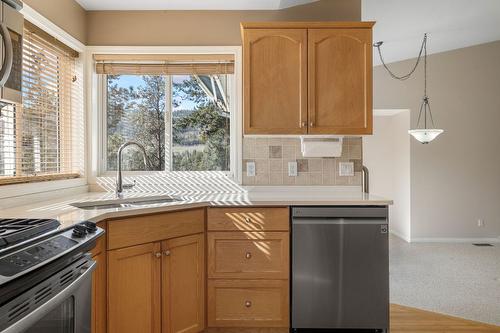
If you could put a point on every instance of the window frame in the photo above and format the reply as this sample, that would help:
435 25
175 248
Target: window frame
99 88
19 190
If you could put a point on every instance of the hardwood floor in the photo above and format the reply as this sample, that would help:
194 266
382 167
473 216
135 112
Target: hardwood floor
403 320
410 320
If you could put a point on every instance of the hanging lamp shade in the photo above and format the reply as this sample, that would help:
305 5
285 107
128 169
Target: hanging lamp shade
425 135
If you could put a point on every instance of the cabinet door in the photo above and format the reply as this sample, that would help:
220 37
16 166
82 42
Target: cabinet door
134 289
340 81
275 81
99 294
183 284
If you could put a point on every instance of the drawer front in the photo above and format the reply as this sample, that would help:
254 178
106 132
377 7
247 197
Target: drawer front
248 255
248 303
151 228
249 219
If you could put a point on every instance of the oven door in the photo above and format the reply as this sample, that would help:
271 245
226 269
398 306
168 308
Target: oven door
60 304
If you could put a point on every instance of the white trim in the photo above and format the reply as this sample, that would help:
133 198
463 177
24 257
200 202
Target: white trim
455 240
95 100
15 190
46 25
399 235
388 112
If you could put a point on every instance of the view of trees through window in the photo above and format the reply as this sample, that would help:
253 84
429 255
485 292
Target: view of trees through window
195 137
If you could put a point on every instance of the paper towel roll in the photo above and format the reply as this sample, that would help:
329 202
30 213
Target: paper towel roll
321 146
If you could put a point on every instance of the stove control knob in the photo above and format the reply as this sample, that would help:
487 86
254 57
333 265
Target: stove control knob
90 226
79 231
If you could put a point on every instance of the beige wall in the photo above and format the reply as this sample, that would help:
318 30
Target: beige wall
67 14
201 27
456 179
386 154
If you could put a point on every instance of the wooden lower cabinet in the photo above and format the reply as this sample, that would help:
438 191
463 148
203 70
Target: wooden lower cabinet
183 284
248 303
134 289
157 287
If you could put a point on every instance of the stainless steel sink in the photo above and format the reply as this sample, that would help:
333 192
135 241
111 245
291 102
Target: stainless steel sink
124 203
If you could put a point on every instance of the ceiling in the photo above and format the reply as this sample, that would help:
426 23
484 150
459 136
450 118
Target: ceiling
450 24
190 4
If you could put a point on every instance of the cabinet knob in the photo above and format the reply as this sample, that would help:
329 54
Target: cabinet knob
167 253
158 254
248 304
311 124
303 124
248 220
248 255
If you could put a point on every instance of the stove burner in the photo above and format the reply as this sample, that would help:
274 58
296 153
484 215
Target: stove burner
16 230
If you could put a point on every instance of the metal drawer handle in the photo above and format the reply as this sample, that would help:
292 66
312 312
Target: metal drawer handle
157 254
248 255
248 220
167 253
248 304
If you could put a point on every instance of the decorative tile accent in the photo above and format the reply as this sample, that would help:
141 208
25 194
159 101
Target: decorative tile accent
302 165
271 156
275 152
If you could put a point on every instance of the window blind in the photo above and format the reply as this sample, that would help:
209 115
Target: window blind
164 64
43 139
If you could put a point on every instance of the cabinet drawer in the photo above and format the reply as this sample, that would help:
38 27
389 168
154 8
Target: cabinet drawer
248 303
151 228
248 255
249 219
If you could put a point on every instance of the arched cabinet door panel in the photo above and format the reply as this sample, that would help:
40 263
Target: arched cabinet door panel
340 81
275 81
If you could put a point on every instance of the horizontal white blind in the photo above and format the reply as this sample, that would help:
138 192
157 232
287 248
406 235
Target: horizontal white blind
164 64
43 138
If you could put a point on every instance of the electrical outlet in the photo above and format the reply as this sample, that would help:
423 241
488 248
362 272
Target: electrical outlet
292 169
250 169
480 223
346 169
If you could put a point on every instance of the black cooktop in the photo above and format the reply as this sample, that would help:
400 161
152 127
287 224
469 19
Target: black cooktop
16 230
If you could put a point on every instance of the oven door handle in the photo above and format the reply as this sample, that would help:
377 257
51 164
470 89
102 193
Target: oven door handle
33 317
9 56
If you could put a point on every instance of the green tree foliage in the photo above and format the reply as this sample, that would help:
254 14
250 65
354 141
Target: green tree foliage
200 137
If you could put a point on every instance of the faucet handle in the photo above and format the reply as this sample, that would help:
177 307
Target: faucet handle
128 186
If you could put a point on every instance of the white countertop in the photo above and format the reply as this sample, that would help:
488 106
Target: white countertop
68 215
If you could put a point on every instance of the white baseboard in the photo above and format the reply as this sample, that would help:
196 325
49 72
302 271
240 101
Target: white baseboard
456 240
401 236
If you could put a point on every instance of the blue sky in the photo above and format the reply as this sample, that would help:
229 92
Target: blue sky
125 81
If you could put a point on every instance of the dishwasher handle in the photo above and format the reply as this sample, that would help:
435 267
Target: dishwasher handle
339 221
345 212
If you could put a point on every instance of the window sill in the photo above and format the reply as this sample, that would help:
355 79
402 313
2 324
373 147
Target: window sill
37 179
26 189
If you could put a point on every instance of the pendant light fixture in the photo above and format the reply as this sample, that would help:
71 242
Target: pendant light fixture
423 134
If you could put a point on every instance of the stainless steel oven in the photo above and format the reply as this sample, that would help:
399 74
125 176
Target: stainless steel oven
46 276
60 304
11 51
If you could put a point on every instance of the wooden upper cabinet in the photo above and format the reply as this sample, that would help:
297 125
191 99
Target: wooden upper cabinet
340 81
183 284
275 81
134 289
307 78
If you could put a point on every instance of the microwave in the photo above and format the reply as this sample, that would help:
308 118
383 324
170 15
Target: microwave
11 51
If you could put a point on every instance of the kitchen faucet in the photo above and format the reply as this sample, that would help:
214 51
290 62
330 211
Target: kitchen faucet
119 182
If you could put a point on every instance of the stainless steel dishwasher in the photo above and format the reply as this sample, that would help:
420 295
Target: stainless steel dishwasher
340 268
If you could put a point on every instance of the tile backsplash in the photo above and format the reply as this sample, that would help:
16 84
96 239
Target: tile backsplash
271 157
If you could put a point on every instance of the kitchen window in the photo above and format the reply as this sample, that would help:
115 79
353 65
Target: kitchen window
42 138
178 109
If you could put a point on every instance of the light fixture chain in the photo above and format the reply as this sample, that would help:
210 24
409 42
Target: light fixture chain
406 76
